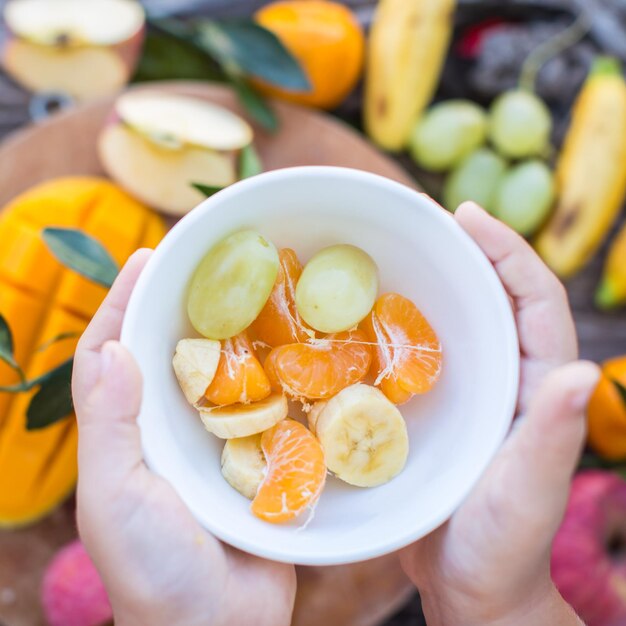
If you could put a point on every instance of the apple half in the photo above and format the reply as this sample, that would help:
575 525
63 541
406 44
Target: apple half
85 49
157 144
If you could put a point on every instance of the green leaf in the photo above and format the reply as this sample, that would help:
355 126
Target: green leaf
53 402
57 338
621 390
168 56
249 162
27 385
256 106
207 190
6 343
81 253
256 50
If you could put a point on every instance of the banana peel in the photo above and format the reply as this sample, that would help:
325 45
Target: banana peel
591 172
407 47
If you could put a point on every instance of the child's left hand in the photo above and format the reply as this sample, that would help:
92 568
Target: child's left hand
158 565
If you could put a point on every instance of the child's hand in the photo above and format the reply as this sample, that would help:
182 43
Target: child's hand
159 566
490 564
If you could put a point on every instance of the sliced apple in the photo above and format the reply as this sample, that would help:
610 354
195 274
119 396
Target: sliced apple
243 420
158 144
195 363
85 49
161 177
78 22
179 120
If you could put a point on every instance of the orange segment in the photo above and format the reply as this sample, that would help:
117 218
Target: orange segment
240 376
321 369
279 322
408 353
296 472
394 392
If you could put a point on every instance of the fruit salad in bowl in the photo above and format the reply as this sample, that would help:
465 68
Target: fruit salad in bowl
329 363
273 332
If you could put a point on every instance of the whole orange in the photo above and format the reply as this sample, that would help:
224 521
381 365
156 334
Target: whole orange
327 41
607 412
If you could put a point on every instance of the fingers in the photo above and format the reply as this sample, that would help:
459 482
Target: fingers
106 325
109 445
532 473
545 324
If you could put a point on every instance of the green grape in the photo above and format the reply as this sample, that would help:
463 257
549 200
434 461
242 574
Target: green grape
520 124
476 178
525 196
337 288
447 133
231 284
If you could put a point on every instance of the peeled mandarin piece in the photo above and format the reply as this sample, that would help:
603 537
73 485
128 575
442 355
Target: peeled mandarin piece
231 284
394 392
319 370
296 472
337 288
408 350
240 376
279 322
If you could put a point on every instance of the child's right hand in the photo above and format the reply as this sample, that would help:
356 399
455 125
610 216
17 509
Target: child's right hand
490 564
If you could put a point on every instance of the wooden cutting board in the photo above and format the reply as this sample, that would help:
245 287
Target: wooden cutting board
359 595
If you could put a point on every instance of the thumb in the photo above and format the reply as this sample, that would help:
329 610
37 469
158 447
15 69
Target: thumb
536 464
109 444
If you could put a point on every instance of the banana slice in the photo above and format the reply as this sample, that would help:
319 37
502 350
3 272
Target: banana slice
364 436
313 415
244 465
195 363
243 420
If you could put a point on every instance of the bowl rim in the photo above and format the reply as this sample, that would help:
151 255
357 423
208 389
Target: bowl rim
414 532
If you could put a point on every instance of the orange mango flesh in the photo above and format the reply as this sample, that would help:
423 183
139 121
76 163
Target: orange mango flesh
40 300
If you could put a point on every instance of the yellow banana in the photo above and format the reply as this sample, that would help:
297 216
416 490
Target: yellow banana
591 173
407 47
612 289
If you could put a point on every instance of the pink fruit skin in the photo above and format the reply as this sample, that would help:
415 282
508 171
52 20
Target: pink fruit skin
72 592
589 552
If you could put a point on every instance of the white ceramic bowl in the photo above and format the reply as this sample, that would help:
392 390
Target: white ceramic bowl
454 431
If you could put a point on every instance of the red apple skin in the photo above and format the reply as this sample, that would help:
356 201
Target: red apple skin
589 551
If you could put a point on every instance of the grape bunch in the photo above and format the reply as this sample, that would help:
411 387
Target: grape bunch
508 177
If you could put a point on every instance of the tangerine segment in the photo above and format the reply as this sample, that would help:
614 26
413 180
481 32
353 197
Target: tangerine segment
279 322
320 369
394 392
408 351
240 376
296 472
